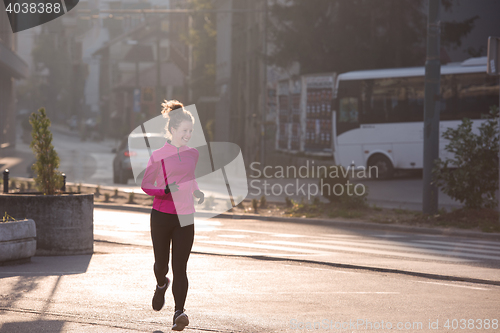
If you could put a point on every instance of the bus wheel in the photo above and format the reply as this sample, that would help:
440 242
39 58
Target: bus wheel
381 167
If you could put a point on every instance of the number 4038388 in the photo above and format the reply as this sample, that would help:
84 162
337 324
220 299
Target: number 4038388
33 8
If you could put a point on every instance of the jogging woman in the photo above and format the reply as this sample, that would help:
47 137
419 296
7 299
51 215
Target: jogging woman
169 177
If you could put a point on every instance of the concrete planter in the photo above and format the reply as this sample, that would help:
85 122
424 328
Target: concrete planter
17 241
64 223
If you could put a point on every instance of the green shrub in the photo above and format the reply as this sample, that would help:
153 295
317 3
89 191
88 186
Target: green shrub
329 183
240 205
471 176
354 201
47 178
255 206
288 202
7 218
263 201
131 198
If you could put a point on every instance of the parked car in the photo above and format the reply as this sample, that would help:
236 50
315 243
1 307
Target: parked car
122 168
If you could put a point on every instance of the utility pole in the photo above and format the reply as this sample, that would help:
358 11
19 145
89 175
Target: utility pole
432 107
493 68
264 93
158 90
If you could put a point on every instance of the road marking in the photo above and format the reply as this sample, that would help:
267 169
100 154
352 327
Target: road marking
452 285
407 247
287 235
389 236
481 246
233 252
261 246
343 235
481 242
233 236
296 292
365 251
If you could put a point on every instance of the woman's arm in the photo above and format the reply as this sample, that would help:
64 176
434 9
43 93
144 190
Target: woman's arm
148 182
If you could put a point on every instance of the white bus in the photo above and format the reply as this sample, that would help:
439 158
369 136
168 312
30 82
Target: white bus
379 113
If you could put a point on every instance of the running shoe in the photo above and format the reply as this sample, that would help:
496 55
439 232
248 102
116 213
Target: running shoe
159 296
181 320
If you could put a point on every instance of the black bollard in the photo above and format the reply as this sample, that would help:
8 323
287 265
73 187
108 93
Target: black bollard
6 181
64 183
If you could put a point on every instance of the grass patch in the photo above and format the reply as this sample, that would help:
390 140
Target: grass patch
486 220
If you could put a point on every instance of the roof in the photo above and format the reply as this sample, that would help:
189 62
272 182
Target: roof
473 65
11 63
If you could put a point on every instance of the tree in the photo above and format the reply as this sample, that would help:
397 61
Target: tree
471 175
202 38
47 178
339 35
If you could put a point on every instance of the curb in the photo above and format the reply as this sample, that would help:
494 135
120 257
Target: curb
336 223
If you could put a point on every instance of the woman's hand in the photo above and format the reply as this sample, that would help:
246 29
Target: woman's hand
171 188
200 195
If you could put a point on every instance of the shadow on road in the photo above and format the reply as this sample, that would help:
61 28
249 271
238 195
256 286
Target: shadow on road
33 326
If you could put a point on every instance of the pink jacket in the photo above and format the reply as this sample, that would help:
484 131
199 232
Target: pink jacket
180 164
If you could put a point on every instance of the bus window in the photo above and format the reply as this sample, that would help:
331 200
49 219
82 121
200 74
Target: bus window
476 93
467 95
392 100
348 110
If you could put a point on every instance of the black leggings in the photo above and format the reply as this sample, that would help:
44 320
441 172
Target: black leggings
165 228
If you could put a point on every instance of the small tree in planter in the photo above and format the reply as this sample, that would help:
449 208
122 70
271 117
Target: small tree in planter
47 178
64 222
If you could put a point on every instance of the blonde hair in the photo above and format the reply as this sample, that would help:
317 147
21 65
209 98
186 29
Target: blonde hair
174 111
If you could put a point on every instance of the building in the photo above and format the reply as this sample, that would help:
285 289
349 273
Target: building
12 68
241 75
140 68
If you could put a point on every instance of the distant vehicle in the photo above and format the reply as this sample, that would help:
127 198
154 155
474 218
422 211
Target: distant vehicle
122 168
72 123
380 113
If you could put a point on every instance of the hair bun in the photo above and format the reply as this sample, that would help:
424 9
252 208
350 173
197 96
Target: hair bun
169 106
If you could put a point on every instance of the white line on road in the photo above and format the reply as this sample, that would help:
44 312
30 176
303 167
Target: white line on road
366 251
467 241
474 246
296 292
452 285
260 246
421 248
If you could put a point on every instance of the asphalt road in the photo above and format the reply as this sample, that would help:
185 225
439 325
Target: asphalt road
259 276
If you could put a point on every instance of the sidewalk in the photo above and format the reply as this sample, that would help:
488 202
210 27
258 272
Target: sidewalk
109 291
